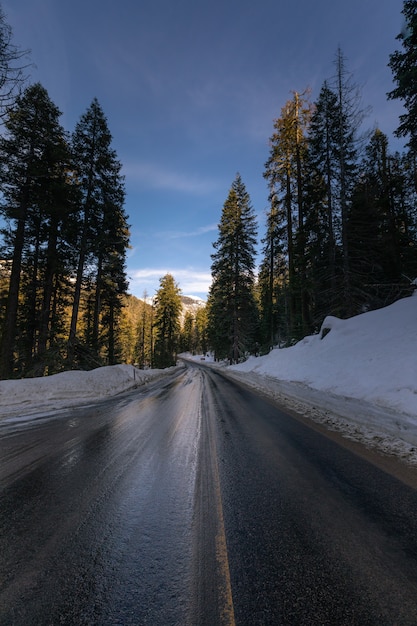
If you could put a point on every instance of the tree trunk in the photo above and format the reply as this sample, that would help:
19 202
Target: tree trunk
97 307
78 283
10 322
111 350
291 267
50 272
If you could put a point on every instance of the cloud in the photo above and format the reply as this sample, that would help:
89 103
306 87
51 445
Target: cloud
189 280
173 234
157 177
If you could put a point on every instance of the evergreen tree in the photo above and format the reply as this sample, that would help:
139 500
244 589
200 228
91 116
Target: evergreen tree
232 310
284 171
403 172
272 280
201 329
34 160
381 229
144 346
403 66
188 341
103 236
167 322
350 116
321 207
334 142
368 220
110 279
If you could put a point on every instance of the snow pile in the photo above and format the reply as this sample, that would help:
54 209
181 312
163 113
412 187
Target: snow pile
357 376
70 388
371 357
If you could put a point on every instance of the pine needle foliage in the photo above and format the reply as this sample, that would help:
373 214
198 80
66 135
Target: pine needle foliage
403 64
167 322
232 309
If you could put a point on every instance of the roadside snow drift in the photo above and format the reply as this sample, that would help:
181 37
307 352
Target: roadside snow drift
70 388
372 357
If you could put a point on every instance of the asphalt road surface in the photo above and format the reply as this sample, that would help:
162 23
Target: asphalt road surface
195 501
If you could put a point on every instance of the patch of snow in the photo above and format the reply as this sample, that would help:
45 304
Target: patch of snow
196 298
67 389
371 357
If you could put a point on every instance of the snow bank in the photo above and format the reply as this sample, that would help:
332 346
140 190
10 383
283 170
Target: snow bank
371 357
71 388
357 376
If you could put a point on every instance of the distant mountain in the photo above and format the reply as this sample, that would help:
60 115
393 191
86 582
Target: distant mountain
191 304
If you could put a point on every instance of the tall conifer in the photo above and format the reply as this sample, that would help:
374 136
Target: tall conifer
103 235
403 65
284 171
167 322
232 310
34 158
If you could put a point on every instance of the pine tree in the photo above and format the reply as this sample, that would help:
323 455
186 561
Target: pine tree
368 223
381 228
34 160
403 66
272 279
331 172
284 171
321 206
103 237
232 310
188 342
144 348
201 329
403 173
350 116
110 280
167 322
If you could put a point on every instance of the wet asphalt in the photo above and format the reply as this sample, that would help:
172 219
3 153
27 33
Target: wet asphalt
195 501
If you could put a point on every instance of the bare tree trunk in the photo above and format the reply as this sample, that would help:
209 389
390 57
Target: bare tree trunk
50 272
78 283
10 323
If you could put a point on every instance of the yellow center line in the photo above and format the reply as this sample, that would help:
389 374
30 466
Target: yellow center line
228 615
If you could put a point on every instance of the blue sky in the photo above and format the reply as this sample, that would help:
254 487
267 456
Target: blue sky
190 90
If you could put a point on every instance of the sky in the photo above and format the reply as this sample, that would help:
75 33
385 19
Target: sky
190 90
360 379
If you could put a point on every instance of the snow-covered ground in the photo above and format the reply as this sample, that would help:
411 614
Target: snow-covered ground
22 398
357 376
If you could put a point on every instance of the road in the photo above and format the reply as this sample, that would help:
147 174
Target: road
195 501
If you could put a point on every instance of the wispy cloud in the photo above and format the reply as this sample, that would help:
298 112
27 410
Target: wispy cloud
157 177
190 281
179 234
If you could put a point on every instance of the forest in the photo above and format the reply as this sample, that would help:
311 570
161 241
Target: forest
340 236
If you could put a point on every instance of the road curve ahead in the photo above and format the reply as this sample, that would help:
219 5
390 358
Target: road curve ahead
195 501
